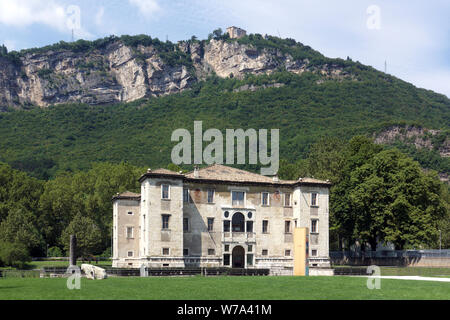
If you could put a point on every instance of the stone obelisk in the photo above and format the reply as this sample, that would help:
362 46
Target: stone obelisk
73 249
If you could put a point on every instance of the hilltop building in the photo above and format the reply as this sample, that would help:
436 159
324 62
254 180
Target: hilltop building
236 33
219 216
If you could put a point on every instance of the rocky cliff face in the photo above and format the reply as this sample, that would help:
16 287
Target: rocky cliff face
121 73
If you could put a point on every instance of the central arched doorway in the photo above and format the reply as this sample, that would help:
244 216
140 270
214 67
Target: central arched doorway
238 222
238 257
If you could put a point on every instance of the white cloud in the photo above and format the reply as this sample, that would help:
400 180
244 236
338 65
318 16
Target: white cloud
146 7
23 13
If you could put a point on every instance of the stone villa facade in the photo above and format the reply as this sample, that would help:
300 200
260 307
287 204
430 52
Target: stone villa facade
236 33
219 216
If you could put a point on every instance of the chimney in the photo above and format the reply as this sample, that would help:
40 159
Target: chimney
275 179
196 172
149 170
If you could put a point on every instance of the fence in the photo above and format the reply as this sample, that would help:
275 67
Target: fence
122 272
419 258
19 273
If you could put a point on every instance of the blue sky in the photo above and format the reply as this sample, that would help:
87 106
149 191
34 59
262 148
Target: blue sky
412 36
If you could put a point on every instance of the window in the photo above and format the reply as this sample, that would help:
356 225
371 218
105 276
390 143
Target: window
185 252
165 251
227 247
130 253
211 252
130 213
264 198
249 259
226 226
314 226
226 259
250 248
165 221
186 196
165 191
314 253
130 232
238 198
287 199
186 224
210 224
265 252
210 195
287 227
249 226
313 199
287 253
265 226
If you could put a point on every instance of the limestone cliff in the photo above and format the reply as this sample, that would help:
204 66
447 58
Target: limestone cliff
118 72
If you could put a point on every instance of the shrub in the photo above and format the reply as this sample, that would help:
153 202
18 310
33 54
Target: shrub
14 254
55 252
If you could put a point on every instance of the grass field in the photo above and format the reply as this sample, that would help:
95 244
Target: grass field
226 288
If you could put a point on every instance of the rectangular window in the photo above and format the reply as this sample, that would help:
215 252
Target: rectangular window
314 253
265 226
250 248
186 196
265 252
185 252
287 253
211 252
287 227
210 224
130 213
314 199
249 226
165 221
314 226
287 199
249 259
264 198
226 226
130 231
165 251
130 253
165 191
186 224
227 248
238 198
210 195
226 259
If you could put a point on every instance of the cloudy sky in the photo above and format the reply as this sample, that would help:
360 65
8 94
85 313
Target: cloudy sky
413 36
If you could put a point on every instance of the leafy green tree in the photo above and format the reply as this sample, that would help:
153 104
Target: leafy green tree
88 234
20 228
13 254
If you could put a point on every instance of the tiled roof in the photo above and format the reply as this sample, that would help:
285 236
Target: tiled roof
218 172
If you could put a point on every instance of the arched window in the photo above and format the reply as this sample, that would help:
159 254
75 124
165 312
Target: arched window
238 222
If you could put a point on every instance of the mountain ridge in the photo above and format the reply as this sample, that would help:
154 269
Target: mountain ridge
114 70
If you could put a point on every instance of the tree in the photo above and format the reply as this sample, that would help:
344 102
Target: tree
20 228
3 50
394 201
13 254
88 234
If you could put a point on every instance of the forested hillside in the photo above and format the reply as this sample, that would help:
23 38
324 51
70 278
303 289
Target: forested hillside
70 137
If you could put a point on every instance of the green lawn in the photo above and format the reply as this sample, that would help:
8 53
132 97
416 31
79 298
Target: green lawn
228 288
